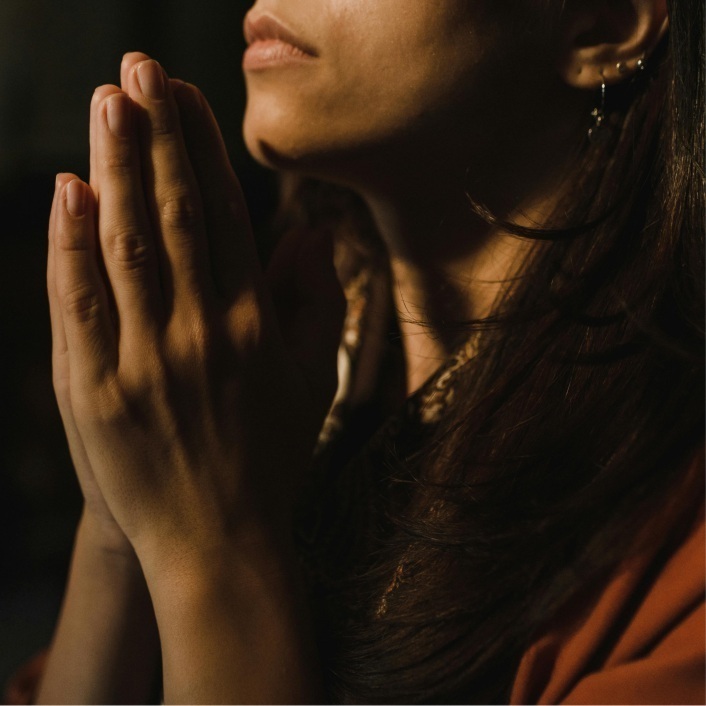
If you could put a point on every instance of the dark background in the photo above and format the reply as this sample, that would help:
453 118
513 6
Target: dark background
53 53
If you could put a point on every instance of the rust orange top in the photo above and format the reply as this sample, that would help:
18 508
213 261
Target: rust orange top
639 639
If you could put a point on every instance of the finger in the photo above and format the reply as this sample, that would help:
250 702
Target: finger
129 60
231 246
170 185
81 292
58 336
126 238
98 95
61 370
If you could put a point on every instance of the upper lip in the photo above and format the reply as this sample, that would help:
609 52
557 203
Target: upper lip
265 26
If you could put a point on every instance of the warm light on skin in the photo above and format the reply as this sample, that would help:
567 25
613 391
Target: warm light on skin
410 108
434 78
415 106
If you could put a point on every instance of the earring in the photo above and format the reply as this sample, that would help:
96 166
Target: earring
597 130
623 68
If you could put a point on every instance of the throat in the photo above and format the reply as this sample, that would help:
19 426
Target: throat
424 354
430 310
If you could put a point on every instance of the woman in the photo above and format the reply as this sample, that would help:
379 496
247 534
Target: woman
520 188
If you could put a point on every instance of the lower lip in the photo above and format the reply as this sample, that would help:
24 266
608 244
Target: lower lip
269 53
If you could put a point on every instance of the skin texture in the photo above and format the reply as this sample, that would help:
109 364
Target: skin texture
178 288
410 92
417 109
192 385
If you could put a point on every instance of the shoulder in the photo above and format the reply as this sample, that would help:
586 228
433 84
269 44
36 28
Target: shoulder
639 637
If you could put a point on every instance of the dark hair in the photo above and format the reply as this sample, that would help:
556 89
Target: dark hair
575 421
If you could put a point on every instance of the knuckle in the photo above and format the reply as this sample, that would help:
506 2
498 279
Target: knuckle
163 123
194 338
181 212
192 346
201 338
248 326
128 248
119 160
108 404
82 304
145 372
73 240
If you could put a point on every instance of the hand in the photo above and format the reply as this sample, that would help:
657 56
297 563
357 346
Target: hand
195 417
95 510
95 506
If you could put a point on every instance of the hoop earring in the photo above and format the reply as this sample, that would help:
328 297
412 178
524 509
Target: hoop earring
597 131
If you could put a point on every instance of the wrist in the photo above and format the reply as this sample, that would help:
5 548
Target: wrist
105 539
250 548
245 607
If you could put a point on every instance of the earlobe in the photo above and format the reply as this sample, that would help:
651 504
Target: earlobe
612 42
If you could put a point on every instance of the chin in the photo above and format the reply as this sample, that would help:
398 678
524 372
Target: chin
279 137
259 144
290 137
274 153
286 153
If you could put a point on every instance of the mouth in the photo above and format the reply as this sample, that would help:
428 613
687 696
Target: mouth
271 34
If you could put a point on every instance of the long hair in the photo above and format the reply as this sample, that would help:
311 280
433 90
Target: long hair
575 421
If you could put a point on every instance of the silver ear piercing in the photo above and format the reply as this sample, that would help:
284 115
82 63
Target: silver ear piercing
623 68
598 114
599 132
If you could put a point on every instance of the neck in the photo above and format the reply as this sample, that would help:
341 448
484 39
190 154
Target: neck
444 271
448 265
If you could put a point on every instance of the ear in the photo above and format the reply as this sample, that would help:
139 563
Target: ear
606 40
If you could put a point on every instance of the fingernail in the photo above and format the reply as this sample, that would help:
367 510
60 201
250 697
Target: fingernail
151 79
75 198
118 115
